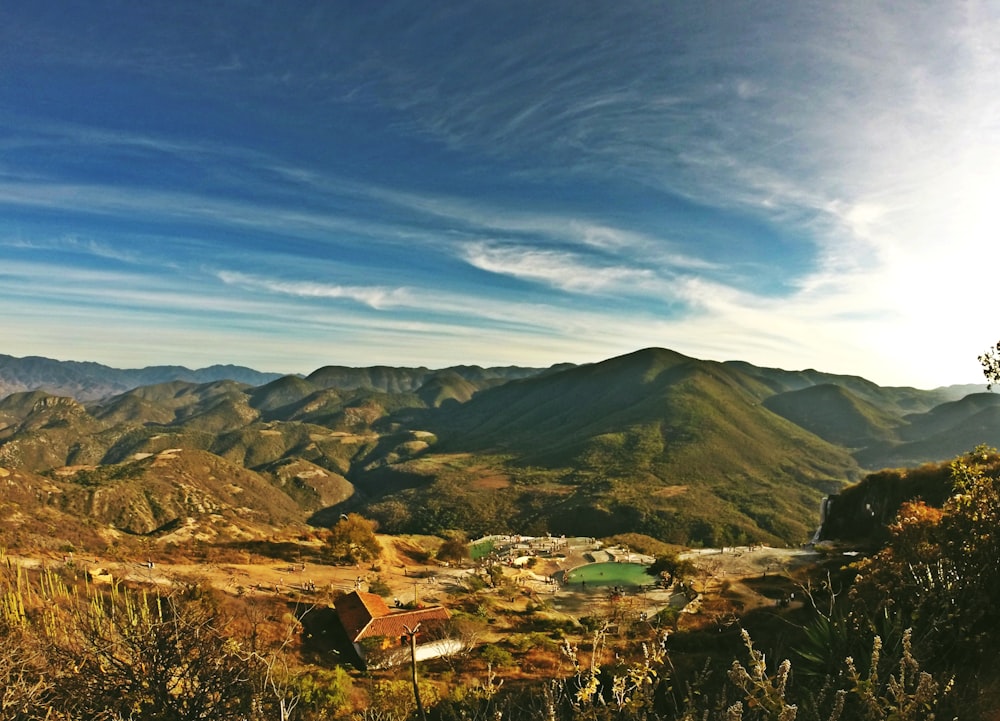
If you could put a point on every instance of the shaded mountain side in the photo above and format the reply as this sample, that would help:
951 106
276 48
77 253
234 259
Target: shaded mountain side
545 416
570 504
281 393
835 414
894 399
86 381
947 431
447 386
409 380
982 428
948 417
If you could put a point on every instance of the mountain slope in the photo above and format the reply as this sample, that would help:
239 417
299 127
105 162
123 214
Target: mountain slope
835 414
945 432
653 441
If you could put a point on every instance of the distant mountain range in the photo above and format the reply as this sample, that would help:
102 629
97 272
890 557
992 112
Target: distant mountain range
653 442
93 381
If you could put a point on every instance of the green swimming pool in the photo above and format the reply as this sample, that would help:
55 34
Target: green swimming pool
609 574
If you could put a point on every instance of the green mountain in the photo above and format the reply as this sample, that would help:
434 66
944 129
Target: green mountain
944 432
837 415
655 442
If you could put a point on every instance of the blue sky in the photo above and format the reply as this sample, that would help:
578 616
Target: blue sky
291 185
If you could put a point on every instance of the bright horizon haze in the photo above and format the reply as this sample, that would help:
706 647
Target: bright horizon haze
292 185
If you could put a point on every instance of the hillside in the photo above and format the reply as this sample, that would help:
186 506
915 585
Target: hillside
655 442
835 414
173 495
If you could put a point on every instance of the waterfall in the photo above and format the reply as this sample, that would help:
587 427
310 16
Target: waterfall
824 509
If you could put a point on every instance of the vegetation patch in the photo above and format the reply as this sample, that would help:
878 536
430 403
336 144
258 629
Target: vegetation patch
479 551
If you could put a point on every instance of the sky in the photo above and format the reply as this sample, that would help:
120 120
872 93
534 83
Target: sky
298 184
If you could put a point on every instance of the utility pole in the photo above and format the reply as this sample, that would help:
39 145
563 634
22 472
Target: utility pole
412 633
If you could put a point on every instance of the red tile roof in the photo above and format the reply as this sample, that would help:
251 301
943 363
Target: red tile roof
365 615
396 624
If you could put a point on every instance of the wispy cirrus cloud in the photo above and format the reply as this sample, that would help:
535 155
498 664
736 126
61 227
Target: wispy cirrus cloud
812 183
558 269
74 244
378 298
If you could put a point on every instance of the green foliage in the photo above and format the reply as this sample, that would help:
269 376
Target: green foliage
103 475
323 693
666 617
353 540
481 550
640 543
496 656
394 700
473 583
495 574
379 587
990 361
534 640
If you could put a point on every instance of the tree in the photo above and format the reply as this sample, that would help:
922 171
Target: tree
455 550
939 571
673 566
324 693
353 540
990 360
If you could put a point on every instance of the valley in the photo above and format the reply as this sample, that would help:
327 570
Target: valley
225 498
682 450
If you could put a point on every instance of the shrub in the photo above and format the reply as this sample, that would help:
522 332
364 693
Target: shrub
496 656
379 587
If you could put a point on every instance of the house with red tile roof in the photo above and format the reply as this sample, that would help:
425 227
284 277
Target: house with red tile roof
372 626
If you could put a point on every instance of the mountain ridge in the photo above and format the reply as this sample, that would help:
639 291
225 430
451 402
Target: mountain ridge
90 381
653 441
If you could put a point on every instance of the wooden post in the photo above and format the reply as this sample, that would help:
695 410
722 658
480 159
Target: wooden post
412 632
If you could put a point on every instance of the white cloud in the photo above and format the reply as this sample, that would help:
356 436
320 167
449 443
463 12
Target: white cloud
867 133
558 269
379 298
